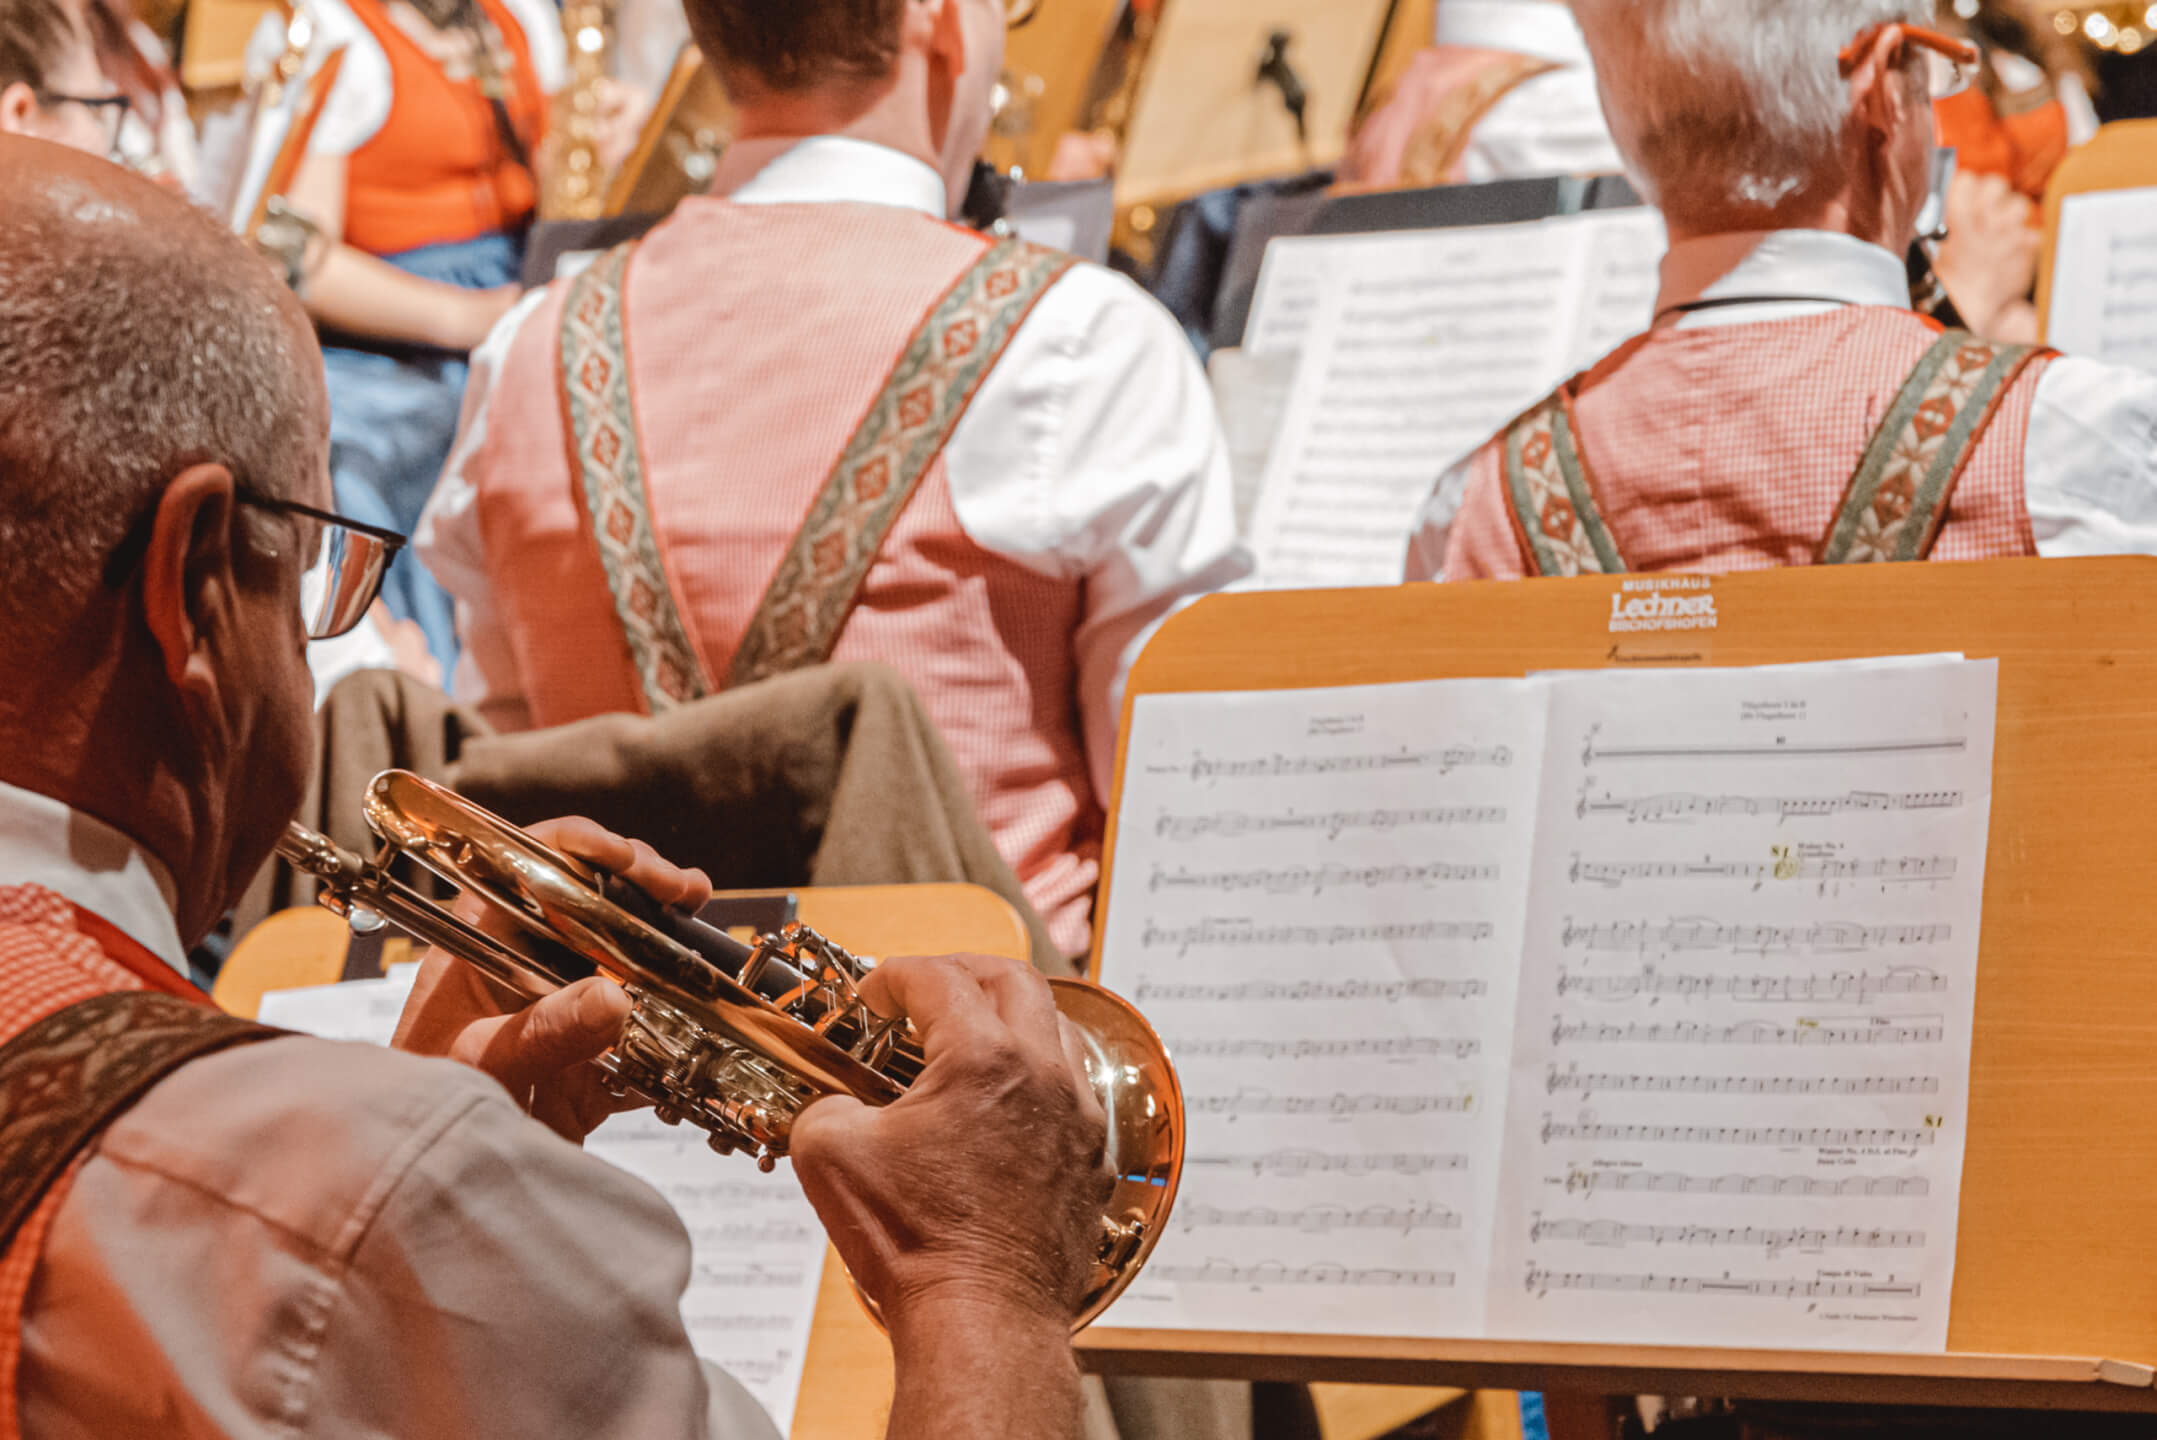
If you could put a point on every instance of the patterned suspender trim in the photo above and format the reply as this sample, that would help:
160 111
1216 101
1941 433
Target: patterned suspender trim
69 1075
1898 498
607 457
1554 512
798 621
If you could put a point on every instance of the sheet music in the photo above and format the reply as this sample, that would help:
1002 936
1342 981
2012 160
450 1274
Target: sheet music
1417 347
1624 274
2104 278
759 1252
1317 902
1740 1078
758 1246
1728 1003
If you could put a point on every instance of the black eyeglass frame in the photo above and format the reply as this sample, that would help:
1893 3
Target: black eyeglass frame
390 540
120 105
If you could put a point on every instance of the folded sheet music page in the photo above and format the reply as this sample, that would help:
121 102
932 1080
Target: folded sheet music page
1415 348
758 1248
2104 278
1741 1072
1317 902
1707 939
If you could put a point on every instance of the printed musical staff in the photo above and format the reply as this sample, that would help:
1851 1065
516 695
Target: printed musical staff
1542 1282
1573 1078
1839 1137
1686 805
1779 749
1337 1162
1225 1272
1743 938
1319 1219
1209 770
1916 1030
1250 935
1332 824
1803 1187
750 1275
1784 865
1319 879
1380 1047
1303 992
1842 987
751 1233
1341 1103
1616 1235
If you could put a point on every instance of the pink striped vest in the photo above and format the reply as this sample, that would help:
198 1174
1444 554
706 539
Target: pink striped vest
1732 448
757 336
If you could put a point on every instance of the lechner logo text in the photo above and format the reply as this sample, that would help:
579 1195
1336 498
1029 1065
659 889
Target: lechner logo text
1665 611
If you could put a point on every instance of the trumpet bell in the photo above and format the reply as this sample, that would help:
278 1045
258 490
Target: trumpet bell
1129 1070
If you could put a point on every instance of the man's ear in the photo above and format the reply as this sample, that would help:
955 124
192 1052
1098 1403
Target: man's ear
18 109
949 44
190 581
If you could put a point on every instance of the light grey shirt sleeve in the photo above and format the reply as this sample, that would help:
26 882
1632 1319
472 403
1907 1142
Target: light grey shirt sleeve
306 1239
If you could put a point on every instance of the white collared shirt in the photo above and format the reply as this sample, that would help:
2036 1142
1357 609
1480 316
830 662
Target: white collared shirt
1092 450
91 866
2089 463
1550 125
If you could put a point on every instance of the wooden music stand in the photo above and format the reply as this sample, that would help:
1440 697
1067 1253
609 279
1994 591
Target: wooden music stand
2055 1299
1203 119
2123 156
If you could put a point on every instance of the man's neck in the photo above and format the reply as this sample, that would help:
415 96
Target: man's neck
894 116
1837 214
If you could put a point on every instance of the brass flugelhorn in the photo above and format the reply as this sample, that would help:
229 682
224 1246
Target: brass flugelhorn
733 1038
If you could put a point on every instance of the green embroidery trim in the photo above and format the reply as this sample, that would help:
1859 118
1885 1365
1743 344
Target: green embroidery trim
809 599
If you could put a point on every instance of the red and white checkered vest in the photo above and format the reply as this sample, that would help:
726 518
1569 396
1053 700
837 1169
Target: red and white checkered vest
1733 447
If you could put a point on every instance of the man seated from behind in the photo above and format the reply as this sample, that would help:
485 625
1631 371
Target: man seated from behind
297 1238
1787 406
806 418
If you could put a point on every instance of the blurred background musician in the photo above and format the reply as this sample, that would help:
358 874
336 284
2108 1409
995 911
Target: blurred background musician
157 137
1062 507
51 85
292 1237
1506 91
420 178
1790 148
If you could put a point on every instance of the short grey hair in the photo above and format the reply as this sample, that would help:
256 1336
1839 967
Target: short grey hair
137 338
1740 103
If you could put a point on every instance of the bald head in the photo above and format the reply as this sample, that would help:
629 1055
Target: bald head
137 338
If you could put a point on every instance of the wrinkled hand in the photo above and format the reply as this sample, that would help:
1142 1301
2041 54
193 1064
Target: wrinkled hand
541 1052
984 1183
1989 260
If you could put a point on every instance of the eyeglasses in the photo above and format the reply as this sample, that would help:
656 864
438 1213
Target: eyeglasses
1952 63
110 111
341 584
